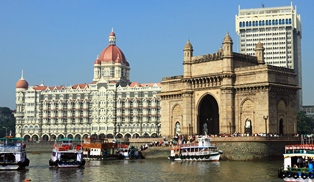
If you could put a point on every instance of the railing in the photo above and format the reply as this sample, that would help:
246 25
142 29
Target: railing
11 149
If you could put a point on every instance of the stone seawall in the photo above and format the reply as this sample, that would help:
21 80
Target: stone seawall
234 148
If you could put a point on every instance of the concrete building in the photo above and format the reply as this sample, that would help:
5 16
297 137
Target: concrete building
228 92
309 111
279 30
110 106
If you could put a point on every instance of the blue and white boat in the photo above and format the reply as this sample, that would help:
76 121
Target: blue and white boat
13 154
298 163
199 151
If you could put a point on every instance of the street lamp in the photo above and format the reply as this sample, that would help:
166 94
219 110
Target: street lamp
6 131
265 118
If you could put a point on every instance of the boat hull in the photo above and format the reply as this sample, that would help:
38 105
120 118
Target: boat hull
63 164
14 165
212 157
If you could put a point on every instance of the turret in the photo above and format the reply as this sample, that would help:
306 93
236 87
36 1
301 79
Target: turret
227 53
187 63
259 53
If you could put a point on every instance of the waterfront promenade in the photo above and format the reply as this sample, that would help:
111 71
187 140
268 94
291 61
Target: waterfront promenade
234 148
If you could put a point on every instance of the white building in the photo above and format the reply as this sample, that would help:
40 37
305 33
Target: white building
110 106
279 30
309 111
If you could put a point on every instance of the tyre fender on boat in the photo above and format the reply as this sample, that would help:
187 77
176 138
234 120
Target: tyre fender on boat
207 156
311 175
295 175
289 174
304 175
281 174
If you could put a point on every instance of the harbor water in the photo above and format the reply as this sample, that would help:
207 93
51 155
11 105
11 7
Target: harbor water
147 170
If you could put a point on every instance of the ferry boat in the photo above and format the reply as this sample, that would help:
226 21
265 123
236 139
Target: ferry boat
67 153
199 151
104 149
13 154
298 163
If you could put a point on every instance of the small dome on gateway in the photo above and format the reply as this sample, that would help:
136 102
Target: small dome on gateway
22 83
188 45
227 38
259 45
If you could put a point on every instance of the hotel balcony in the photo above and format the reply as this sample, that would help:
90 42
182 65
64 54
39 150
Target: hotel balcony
19 114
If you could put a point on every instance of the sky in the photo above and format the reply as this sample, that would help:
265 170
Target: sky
57 42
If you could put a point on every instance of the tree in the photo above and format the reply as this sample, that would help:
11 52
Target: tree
305 125
7 122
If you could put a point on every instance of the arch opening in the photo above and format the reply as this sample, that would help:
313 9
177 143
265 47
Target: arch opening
208 117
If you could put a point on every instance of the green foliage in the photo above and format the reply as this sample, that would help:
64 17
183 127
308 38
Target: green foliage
305 125
7 123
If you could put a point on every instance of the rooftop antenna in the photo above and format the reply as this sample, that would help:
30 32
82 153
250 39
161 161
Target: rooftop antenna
263 5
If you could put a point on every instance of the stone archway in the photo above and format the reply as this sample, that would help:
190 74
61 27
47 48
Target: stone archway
45 137
27 138
208 116
35 138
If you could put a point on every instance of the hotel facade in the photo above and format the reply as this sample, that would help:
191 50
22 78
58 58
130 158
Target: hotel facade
110 106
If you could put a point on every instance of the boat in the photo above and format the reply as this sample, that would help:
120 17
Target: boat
67 153
13 154
202 150
103 149
298 163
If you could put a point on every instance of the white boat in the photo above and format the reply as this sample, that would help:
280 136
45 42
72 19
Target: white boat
298 163
13 154
67 153
199 151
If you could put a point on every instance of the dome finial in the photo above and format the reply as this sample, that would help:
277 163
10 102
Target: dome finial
22 76
112 38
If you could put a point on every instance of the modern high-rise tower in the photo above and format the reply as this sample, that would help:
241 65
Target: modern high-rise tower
279 30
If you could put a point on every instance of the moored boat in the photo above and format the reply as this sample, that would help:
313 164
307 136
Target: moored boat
13 154
298 163
199 151
103 149
67 153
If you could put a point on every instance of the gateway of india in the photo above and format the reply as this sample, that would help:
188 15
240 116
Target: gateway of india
223 92
228 92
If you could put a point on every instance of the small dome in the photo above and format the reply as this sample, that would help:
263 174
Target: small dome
22 84
227 38
112 34
259 45
97 61
188 45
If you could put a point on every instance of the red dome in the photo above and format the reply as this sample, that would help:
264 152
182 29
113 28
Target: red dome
112 34
21 84
112 53
97 61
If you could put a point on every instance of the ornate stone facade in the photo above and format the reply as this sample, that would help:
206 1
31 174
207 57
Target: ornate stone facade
228 92
110 106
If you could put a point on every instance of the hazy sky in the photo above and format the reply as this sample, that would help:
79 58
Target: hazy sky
58 41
